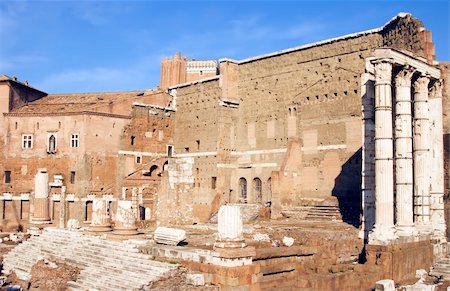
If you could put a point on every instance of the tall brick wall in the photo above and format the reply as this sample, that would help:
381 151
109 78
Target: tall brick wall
312 95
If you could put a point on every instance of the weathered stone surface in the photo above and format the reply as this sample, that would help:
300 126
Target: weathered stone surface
385 285
169 236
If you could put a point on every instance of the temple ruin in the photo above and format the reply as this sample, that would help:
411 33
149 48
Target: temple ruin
318 167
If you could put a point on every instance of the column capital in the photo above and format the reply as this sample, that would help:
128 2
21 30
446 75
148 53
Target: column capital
403 78
436 89
383 71
421 84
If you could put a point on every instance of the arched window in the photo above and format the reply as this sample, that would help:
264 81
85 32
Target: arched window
243 189
52 144
153 170
257 189
269 189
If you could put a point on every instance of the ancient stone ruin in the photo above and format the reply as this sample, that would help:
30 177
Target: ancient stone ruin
319 167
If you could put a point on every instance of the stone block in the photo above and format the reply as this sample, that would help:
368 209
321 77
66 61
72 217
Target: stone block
169 236
385 285
195 279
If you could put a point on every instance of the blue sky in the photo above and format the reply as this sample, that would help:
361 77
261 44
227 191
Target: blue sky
87 46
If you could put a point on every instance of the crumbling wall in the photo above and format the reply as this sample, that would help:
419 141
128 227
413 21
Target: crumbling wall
196 137
408 33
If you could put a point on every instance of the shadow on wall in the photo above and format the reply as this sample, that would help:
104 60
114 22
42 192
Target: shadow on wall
347 189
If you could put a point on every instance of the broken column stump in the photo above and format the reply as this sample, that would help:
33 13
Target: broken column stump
229 228
100 222
125 223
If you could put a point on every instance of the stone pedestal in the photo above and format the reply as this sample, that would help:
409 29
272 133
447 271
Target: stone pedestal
41 202
125 223
100 221
229 228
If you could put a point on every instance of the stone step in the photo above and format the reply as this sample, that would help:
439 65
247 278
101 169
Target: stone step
106 265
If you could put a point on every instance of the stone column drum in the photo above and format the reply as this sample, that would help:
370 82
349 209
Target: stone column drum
403 153
100 221
125 223
421 156
384 230
229 228
41 202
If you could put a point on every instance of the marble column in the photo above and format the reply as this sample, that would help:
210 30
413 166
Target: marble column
421 156
403 153
368 156
62 213
100 220
125 222
229 227
41 202
384 231
437 163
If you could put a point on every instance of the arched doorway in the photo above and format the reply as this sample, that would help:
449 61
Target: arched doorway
153 170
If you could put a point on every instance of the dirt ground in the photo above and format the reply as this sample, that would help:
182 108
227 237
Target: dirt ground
176 281
46 275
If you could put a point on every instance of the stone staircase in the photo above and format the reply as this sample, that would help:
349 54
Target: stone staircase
314 212
441 268
104 264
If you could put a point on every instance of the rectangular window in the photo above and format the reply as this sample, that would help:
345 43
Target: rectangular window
72 177
27 141
75 140
213 182
7 177
198 144
138 159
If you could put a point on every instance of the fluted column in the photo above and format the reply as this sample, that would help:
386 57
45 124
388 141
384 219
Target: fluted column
41 202
421 155
100 219
403 153
125 223
384 230
437 163
368 157
229 227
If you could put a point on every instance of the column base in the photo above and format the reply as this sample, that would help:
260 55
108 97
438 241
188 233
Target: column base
40 222
382 235
100 228
125 231
424 228
230 244
406 230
